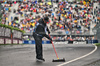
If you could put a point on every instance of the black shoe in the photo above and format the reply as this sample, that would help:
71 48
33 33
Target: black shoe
40 60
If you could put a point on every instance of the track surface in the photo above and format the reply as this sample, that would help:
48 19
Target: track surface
24 55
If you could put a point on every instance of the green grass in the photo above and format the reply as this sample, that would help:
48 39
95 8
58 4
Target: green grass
0 19
12 28
97 44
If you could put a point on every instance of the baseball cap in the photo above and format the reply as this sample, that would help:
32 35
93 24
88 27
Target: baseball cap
46 19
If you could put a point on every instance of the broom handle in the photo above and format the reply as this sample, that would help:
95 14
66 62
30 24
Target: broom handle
54 48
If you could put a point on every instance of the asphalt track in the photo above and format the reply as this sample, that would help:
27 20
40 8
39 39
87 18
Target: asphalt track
24 55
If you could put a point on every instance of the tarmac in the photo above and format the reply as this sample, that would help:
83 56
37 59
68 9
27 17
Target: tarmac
24 55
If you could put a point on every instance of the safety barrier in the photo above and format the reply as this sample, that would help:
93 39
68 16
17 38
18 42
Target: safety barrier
33 42
92 41
62 42
9 36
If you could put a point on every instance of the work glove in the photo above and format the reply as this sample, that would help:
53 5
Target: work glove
47 36
49 32
50 39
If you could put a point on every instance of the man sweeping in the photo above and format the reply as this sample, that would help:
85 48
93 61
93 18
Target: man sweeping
40 32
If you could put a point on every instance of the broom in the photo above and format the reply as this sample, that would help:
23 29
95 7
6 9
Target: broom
57 60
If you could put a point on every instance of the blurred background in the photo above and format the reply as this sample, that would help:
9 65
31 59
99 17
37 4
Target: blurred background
70 20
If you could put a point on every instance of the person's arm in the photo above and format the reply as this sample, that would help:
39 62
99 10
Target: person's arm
48 30
47 36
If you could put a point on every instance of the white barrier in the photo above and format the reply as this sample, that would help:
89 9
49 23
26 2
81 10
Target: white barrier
14 41
79 42
65 42
20 42
1 41
8 41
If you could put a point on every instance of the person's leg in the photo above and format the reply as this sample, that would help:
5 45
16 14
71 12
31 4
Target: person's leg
38 46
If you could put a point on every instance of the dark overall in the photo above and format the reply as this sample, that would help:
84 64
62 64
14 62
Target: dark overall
38 42
38 34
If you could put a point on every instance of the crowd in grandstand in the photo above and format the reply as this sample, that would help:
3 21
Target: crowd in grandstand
67 16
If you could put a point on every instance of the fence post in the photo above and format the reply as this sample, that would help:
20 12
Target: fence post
11 38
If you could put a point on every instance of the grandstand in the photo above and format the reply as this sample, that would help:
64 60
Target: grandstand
71 19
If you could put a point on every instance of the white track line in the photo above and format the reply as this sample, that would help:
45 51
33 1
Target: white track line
79 57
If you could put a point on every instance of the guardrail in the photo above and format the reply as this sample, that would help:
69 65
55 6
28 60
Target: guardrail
62 42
